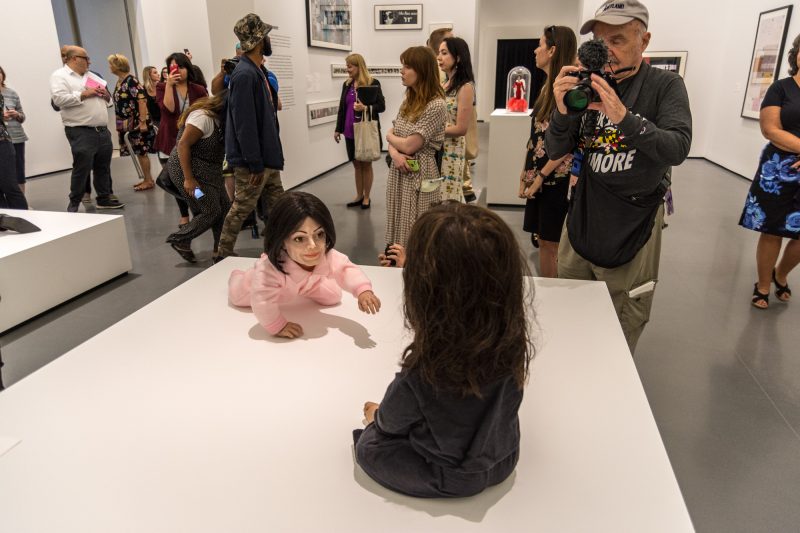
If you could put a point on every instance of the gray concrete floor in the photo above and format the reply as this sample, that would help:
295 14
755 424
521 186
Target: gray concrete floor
722 378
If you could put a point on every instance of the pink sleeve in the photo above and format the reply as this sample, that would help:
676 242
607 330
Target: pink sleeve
239 287
259 288
348 275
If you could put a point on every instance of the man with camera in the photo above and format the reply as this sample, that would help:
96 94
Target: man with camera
631 123
252 145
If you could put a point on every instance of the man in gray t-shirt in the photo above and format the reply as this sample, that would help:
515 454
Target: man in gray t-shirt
630 140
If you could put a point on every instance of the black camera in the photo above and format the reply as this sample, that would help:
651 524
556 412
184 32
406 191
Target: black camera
579 97
392 262
593 55
229 65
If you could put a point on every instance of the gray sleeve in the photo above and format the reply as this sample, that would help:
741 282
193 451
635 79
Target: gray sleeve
561 135
669 142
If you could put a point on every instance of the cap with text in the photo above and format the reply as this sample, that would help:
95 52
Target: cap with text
617 13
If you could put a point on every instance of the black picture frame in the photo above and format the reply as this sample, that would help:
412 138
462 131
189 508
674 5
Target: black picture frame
329 24
403 16
765 61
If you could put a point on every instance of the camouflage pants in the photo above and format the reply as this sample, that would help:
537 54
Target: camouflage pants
244 200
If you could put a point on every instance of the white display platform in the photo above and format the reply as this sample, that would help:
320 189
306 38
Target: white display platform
508 135
188 416
73 253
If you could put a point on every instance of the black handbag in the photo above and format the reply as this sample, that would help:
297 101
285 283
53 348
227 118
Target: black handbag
163 180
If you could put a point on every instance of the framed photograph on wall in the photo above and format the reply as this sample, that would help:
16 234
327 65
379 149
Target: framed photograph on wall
329 24
766 60
672 61
398 17
322 112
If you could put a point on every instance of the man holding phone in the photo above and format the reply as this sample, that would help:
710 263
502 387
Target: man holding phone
252 145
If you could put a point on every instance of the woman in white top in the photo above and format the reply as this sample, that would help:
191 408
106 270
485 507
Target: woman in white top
195 167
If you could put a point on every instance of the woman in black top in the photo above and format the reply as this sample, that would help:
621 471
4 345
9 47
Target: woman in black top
544 182
150 78
773 203
351 110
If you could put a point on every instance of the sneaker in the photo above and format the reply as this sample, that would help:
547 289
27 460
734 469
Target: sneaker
185 251
87 198
113 197
73 207
110 204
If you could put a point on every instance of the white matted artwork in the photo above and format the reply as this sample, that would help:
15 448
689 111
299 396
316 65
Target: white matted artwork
398 17
329 24
432 26
376 71
672 61
322 112
766 59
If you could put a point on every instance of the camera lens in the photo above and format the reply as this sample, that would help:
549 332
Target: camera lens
578 98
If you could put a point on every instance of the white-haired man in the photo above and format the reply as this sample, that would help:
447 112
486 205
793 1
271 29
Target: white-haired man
630 139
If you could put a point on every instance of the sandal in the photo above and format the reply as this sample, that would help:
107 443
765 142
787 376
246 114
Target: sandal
759 297
781 290
144 186
186 253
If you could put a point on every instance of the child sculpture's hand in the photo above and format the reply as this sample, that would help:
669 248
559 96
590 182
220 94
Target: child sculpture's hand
369 412
368 302
290 331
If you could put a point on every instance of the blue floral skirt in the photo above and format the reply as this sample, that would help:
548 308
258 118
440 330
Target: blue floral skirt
773 203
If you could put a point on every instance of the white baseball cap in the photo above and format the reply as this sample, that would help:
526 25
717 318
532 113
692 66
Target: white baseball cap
617 13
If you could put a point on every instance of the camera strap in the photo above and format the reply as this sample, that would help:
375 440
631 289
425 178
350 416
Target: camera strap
628 95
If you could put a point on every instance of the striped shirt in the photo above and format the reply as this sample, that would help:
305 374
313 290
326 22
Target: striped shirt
4 136
14 126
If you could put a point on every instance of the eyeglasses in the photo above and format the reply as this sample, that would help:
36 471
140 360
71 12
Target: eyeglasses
83 57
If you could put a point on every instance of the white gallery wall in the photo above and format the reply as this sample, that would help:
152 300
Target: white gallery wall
28 59
719 39
729 140
717 35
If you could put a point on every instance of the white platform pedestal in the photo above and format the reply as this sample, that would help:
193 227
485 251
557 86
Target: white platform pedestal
73 253
508 134
188 416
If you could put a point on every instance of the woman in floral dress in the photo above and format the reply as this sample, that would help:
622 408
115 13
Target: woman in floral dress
130 104
773 203
413 187
459 87
544 182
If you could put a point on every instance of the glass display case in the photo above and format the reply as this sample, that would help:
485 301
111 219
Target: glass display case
518 90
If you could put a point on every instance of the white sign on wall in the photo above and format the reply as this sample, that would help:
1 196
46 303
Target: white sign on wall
378 71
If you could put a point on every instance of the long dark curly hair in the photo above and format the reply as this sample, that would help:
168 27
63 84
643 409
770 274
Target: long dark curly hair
466 300
792 56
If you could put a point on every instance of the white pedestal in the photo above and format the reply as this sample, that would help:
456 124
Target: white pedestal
188 416
508 134
73 253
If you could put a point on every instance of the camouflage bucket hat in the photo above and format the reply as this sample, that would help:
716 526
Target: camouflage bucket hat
251 30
